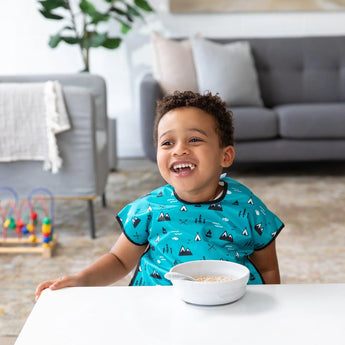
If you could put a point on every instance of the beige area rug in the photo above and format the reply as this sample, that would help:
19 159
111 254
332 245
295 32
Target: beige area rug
311 249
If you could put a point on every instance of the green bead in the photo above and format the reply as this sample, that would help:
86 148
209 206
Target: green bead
12 223
46 220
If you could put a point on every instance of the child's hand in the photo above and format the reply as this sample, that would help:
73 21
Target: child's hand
56 284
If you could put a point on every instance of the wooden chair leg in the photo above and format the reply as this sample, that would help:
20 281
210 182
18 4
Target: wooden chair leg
91 219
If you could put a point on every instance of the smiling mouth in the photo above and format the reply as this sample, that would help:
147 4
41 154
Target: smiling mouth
179 168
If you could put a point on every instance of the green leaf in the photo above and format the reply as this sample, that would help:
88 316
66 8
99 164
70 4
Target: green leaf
143 4
125 28
87 7
95 39
54 41
50 15
122 13
70 40
99 17
133 11
49 5
112 43
118 11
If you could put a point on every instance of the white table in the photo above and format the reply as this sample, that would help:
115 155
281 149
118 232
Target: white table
267 314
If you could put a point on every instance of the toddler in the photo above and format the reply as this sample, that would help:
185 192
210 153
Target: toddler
198 215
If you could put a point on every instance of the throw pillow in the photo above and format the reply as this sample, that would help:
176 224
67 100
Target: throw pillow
228 69
173 65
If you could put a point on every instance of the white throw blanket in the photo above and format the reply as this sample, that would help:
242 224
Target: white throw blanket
31 114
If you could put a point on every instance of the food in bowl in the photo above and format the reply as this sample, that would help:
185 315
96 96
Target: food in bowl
214 292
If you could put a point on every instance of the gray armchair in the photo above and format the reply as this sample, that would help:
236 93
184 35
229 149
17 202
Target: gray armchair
83 149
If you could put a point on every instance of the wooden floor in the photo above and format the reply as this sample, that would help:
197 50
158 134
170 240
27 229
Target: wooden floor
7 340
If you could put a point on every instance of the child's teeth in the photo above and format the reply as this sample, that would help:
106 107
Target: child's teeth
181 166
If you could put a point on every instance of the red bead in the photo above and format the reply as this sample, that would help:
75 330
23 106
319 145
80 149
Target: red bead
19 223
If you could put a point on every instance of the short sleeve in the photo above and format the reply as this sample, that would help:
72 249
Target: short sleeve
265 224
135 220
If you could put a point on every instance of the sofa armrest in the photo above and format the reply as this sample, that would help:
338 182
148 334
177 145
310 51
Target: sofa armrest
84 144
150 92
84 162
80 140
86 103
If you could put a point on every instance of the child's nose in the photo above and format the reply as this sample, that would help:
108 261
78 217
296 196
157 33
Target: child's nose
181 149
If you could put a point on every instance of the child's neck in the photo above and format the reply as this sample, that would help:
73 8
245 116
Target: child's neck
219 191
197 199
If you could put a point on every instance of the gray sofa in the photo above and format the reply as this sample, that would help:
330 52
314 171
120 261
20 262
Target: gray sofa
83 148
302 85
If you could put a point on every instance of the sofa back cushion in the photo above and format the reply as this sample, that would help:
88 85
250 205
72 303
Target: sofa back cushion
227 69
299 69
173 65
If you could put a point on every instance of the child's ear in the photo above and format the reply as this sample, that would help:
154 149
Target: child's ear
228 156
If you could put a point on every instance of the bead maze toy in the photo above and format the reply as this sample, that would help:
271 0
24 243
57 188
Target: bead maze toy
19 222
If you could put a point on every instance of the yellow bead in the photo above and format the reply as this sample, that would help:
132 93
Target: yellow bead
46 228
32 239
46 245
30 227
7 223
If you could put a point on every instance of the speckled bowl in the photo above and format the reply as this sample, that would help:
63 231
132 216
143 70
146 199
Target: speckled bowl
211 292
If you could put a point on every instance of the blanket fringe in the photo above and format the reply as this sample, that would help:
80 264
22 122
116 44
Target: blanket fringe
53 161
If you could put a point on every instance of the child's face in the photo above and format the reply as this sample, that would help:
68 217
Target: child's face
189 155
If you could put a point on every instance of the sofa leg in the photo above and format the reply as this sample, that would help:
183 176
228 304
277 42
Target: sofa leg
91 219
104 200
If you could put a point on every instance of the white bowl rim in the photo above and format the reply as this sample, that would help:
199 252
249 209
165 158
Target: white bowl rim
245 269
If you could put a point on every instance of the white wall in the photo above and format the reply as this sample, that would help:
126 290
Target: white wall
24 35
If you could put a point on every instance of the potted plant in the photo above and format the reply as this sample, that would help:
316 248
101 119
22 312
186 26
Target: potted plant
87 27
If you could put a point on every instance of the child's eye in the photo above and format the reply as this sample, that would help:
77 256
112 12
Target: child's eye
167 143
195 140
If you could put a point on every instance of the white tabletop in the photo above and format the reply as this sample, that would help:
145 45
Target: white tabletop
267 314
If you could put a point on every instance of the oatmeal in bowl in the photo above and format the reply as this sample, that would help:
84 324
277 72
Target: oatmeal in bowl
215 281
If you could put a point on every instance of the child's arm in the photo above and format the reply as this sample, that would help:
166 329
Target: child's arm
109 268
265 260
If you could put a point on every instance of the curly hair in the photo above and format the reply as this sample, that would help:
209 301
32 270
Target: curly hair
211 104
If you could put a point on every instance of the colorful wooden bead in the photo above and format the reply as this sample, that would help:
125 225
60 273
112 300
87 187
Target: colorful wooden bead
25 230
19 224
10 223
46 228
46 220
32 239
46 239
30 227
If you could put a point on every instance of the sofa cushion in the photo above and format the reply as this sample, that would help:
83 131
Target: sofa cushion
173 64
227 69
254 123
312 121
